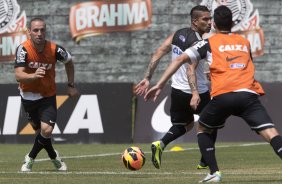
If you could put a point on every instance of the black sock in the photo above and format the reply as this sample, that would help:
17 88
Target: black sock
214 136
37 146
49 148
276 143
206 145
174 132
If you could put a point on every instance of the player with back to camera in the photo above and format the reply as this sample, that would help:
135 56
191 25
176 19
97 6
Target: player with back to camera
234 90
182 115
35 71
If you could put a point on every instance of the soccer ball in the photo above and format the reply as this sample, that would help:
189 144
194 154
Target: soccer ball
133 158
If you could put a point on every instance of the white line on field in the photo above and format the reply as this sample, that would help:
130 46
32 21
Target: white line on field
140 172
137 173
113 154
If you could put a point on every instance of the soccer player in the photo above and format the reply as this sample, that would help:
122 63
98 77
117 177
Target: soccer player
182 115
35 71
234 90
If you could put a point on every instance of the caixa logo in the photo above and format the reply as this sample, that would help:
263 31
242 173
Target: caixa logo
87 104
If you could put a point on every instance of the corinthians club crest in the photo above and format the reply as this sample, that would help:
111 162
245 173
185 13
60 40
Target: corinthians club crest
12 29
9 9
246 21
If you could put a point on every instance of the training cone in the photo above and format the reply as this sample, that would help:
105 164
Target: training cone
176 148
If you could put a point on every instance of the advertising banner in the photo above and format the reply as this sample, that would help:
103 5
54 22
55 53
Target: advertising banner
153 119
98 17
102 114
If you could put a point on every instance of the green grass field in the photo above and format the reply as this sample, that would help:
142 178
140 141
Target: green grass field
101 164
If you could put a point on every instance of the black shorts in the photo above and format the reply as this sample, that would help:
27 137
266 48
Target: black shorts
242 104
180 109
44 110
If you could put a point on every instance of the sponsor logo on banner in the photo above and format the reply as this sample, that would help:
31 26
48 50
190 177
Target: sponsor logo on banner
246 21
160 120
12 29
90 118
87 104
98 17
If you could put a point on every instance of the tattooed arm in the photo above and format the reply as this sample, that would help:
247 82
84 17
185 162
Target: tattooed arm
155 91
192 80
142 87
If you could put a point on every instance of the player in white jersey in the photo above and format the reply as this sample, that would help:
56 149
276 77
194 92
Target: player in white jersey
182 115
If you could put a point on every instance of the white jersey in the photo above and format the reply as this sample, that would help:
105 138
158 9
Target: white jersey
183 39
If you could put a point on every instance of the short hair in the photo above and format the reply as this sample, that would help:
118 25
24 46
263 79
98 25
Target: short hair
223 18
35 19
194 13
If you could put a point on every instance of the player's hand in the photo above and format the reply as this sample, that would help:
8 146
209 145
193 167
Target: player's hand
73 92
142 87
154 92
195 100
39 73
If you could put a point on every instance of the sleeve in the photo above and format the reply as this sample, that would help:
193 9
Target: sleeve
62 55
198 51
21 56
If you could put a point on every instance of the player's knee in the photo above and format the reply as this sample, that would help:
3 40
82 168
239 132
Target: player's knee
46 130
189 126
46 133
268 134
179 129
202 129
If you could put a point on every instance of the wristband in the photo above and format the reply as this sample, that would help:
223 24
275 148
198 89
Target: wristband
71 84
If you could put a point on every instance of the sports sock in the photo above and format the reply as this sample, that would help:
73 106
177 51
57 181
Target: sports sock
206 145
37 146
276 143
174 132
214 136
49 148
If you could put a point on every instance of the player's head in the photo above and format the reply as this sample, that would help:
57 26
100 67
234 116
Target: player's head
37 30
223 19
200 19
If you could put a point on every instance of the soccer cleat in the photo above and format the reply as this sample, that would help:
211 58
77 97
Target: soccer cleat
156 154
212 178
28 163
59 163
202 165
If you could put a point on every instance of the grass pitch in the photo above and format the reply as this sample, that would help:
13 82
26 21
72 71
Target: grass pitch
101 164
